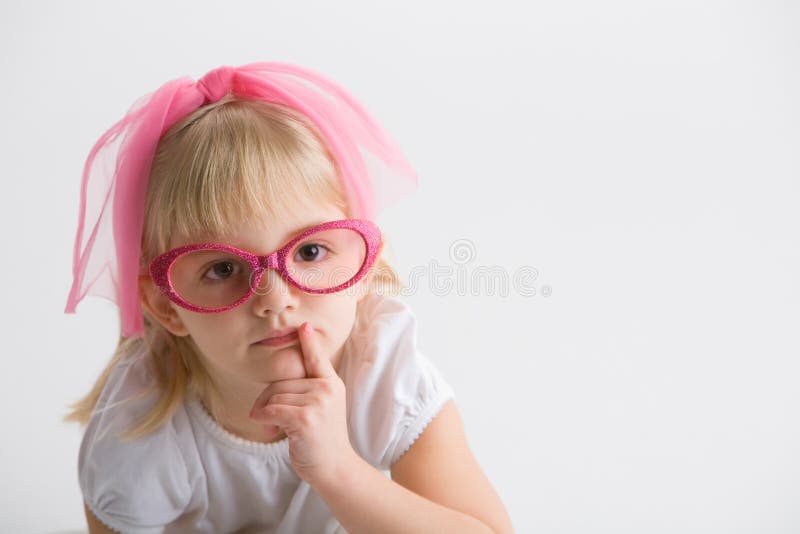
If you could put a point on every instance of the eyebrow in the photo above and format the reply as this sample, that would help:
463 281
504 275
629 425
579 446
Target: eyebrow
303 229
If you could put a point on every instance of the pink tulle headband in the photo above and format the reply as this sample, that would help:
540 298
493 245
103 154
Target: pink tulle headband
374 172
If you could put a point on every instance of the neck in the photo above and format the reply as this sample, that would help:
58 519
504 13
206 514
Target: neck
230 407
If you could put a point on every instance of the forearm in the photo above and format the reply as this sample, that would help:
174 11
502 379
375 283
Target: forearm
364 500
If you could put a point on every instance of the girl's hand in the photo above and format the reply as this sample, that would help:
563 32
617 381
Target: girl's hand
313 413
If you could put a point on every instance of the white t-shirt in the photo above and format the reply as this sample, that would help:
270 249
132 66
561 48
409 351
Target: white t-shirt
192 475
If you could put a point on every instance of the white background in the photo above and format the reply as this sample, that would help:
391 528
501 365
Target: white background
641 156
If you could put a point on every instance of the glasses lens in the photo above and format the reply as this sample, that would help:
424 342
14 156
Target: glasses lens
210 278
327 258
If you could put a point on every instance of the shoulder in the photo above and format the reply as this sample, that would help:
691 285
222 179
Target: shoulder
394 390
132 483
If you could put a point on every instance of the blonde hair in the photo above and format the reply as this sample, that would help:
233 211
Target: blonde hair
227 162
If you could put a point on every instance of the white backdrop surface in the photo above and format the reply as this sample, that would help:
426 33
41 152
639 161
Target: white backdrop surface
634 164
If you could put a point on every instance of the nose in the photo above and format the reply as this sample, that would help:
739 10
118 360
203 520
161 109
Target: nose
273 294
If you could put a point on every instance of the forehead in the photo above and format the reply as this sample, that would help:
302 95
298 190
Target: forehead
264 235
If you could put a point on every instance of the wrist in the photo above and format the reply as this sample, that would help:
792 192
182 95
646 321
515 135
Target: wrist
340 474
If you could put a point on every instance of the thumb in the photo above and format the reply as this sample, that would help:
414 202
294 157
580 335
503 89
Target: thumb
317 364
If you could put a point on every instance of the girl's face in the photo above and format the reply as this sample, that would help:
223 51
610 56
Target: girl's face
228 341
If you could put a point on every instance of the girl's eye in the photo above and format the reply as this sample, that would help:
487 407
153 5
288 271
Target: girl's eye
311 252
223 270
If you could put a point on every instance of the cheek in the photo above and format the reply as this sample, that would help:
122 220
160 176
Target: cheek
210 331
341 312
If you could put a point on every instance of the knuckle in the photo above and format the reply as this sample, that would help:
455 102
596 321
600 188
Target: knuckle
306 418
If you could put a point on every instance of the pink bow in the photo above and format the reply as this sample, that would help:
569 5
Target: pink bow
216 83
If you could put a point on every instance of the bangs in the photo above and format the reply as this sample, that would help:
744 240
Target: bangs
232 162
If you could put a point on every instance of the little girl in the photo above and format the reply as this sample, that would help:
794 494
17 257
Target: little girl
263 381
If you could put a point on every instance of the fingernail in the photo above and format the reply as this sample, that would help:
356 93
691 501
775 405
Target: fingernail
308 328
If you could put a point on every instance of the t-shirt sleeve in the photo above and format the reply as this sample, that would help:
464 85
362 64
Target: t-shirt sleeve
395 390
139 485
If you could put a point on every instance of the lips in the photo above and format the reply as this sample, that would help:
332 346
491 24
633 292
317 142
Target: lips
280 333
279 337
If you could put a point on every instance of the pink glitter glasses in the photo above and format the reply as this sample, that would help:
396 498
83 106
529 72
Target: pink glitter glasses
211 277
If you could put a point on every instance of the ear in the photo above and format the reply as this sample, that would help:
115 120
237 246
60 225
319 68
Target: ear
160 308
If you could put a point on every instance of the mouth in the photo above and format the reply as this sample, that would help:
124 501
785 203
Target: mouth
279 338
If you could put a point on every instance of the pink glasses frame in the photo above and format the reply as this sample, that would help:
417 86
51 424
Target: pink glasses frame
369 231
